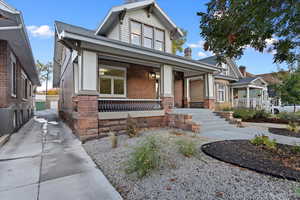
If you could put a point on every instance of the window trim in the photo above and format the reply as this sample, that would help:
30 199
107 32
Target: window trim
142 35
13 76
223 90
111 81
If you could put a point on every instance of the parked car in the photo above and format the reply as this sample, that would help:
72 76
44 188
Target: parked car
285 108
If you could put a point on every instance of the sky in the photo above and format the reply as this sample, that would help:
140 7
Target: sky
39 17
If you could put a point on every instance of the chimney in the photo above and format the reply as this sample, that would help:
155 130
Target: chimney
243 70
188 52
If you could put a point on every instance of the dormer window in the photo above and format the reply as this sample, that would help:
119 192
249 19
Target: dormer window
147 36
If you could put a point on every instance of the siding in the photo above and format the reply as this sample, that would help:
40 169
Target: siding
141 16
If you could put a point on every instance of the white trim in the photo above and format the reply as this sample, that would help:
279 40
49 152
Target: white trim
112 78
134 114
20 26
154 100
13 75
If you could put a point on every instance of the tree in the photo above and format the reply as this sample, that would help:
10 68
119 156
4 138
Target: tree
177 45
229 26
44 71
289 88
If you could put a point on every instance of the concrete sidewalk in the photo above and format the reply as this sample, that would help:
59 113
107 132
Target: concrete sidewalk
44 161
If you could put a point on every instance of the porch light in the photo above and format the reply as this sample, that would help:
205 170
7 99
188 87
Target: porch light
152 75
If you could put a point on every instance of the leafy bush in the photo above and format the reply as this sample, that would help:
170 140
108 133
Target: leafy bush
261 114
264 141
296 149
289 116
131 128
187 147
144 158
293 126
244 114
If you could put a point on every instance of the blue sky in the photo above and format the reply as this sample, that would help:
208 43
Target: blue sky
40 15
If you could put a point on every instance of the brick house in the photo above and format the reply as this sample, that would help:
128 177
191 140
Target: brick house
126 67
18 74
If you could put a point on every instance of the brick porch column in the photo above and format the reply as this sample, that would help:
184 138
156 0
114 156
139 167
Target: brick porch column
167 95
209 101
86 123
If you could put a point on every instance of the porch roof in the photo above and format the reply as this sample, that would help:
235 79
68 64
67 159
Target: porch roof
67 32
249 82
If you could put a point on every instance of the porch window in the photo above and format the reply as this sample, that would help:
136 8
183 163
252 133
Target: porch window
159 40
220 92
136 33
112 81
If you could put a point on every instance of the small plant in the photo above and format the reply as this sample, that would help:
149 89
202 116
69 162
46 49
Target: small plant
114 140
187 147
131 129
264 141
261 114
296 149
293 126
144 158
244 114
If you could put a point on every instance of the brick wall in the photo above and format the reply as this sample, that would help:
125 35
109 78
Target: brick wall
139 85
178 93
3 75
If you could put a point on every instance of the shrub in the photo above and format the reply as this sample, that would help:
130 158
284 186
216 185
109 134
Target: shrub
131 128
293 126
187 147
296 149
264 141
293 117
223 107
144 158
244 114
261 114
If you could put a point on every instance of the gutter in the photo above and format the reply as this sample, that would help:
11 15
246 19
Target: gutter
114 44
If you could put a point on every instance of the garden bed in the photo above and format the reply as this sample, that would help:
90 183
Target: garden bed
284 131
281 163
183 178
268 120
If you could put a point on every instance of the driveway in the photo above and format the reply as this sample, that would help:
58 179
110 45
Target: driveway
44 161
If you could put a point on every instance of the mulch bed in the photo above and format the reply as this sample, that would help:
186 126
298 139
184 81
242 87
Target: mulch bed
268 120
281 163
284 131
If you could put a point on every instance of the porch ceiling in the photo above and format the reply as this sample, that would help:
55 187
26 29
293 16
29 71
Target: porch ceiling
104 45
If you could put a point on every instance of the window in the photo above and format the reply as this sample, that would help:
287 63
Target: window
148 36
224 69
14 80
159 40
220 92
112 81
136 33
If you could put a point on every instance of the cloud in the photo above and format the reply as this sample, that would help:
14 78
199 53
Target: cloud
40 31
201 54
197 45
271 41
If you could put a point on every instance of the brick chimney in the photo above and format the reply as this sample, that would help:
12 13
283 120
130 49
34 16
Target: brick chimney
188 52
243 70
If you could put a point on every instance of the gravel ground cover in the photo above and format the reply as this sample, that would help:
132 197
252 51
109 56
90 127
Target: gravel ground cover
183 178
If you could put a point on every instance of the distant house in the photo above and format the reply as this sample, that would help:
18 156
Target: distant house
18 74
126 67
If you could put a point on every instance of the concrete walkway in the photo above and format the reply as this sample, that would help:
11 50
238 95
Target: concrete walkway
216 128
44 161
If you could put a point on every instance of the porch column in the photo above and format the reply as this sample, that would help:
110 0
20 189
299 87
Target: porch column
209 101
86 109
167 96
232 97
187 97
248 97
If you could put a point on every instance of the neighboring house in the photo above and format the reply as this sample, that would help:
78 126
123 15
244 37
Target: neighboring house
233 87
124 67
18 74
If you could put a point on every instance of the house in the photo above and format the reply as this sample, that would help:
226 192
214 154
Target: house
18 74
126 67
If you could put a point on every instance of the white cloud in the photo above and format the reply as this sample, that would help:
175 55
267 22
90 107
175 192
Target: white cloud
271 41
40 31
201 54
197 45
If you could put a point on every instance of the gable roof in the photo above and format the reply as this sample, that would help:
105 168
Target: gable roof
114 13
271 78
249 80
13 30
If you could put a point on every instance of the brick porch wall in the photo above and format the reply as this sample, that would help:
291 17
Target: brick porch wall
209 104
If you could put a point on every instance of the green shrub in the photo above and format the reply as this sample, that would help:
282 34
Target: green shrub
131 128
144 158
244 114
293 117
264 141
293 126
261 114
187 147
296 149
